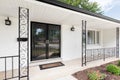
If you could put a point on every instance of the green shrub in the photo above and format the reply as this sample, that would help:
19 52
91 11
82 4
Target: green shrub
102 76
93 76
118 63
113 69
96 75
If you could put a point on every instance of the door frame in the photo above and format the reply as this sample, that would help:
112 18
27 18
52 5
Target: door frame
46 33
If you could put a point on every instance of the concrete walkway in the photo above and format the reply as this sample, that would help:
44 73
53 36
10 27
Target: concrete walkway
64 72
67 78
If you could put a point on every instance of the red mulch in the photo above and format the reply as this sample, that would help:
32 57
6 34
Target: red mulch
82 75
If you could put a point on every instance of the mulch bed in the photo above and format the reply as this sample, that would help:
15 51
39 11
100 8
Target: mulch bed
82 75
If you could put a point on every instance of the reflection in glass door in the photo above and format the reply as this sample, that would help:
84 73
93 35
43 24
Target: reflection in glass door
45 41
54 41
38 41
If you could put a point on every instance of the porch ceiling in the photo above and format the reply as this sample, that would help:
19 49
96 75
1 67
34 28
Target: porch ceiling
42 12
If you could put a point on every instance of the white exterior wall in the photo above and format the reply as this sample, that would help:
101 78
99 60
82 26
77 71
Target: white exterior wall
8 41
70 42
8 37
95 46
109 37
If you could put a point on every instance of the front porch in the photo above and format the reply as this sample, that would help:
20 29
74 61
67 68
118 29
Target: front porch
65 72
100 53
60 73
101 47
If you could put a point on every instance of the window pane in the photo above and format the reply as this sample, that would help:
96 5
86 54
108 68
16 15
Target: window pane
88 37
91 37
97 37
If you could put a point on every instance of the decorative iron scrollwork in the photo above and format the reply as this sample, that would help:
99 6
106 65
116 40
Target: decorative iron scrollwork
23 43
83 42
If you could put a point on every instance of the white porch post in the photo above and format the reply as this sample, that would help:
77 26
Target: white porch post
117 42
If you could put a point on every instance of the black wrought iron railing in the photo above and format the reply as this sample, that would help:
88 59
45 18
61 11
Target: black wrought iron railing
6 71
100 53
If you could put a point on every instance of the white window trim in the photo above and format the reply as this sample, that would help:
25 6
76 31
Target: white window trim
96 44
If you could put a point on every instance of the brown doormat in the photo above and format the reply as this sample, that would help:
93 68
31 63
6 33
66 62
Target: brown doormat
51 65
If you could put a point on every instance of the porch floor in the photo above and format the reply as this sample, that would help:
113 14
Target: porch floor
64 72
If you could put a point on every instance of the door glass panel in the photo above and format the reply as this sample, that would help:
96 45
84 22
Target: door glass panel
38 41
54 41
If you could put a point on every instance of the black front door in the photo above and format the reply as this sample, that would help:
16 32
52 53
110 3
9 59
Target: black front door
45 41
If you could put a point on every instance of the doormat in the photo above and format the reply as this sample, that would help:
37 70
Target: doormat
50 65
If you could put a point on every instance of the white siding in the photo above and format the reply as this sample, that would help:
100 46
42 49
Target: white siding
94 46
70 42
8 41
109 37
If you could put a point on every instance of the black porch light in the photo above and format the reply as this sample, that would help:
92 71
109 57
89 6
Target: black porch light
7 21
72 28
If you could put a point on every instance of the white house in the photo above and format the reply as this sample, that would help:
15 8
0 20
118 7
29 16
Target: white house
54 31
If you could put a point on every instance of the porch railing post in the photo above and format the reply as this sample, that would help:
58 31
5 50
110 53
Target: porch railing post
19 44
5 69
104 54
28 45
117 42
23 40
84 60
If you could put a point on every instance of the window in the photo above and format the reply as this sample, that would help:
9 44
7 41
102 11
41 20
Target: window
97 37
93 37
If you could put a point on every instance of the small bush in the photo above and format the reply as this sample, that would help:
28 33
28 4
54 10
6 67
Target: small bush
118 63
96 75
113 69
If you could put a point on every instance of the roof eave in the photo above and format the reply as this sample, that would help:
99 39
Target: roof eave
63 5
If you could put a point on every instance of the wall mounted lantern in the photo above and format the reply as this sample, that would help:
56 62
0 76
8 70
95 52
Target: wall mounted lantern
7 21
72 28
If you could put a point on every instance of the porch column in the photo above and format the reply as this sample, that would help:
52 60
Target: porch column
84 43
23 33
117 42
